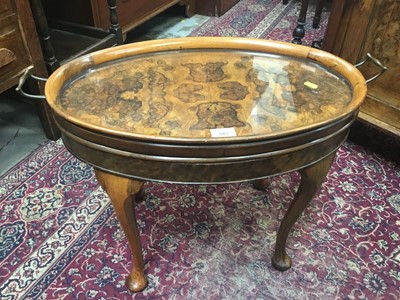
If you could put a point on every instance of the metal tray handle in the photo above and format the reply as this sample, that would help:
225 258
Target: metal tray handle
27 74
376 62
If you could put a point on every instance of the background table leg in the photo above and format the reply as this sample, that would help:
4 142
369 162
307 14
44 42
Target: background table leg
121 191
312 178
261 184
318 12
299 32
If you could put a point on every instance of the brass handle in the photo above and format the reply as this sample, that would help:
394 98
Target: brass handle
376 62
22 81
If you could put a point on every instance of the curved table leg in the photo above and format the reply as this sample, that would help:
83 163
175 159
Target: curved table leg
121 190
312 178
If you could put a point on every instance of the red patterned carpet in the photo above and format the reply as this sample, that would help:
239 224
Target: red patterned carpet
267 19
60 239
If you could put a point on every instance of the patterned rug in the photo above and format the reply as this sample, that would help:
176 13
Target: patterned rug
60 239
267 19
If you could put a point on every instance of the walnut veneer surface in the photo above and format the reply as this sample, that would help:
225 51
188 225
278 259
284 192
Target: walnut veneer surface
187 93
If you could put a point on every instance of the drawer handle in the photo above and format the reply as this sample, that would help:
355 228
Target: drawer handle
22 79
376 62
6 57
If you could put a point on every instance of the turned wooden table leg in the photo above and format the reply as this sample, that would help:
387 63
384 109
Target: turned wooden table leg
190 9
299 32
318 12
261 184
312 178
121 191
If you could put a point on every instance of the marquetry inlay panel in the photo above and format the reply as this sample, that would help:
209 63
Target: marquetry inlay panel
188 93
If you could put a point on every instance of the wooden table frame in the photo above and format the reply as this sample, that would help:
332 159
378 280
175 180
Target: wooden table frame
124 192
123 161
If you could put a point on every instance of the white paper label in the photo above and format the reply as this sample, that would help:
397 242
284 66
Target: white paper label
223 132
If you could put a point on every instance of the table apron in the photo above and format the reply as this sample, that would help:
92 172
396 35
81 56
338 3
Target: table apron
194 171
205 149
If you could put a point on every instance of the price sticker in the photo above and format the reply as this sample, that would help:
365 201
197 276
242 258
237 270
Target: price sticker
223 132
310 85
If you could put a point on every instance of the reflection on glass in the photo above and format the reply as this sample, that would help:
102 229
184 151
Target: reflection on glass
187 94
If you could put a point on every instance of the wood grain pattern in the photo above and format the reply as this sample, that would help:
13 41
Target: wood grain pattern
384 43
371 26
348 24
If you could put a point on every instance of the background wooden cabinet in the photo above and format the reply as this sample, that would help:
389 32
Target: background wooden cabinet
131 13
20 49
15 54
213 7
358 27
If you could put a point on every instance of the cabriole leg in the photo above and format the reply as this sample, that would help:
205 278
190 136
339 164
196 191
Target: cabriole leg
312 178
122 192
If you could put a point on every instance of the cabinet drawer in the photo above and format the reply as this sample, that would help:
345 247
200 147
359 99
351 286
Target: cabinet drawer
131 13
14 55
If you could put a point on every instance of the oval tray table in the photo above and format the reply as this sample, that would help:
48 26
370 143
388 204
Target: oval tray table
205 110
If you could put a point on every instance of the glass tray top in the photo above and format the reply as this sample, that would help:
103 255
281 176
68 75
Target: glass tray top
205 93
